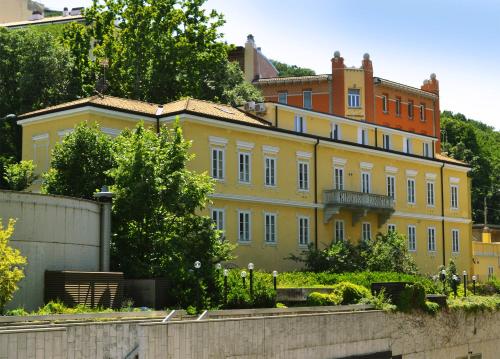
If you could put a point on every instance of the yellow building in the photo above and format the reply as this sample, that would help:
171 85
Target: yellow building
486 253
286 177
18 10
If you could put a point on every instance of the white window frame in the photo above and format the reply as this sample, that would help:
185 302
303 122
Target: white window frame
431 239
273 175
300 124
368 175
243 179
339 230
336 131
455 241
353 99
366 231
362 136
454 196
249 224
398 106
304 99
218 216
422 112
391 227
274 233
385 104
491 272
338 173
407 145
285 94
303 231
426 149
412 238
410 109
386 141
430 195
303 182
390 182
411 195
220 174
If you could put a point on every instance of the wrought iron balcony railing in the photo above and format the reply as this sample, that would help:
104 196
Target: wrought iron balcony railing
340 198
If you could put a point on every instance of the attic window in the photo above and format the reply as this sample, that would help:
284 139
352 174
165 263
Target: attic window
224 110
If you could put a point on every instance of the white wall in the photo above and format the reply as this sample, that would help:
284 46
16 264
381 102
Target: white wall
54 233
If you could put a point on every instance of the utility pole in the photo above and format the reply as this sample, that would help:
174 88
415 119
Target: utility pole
485 212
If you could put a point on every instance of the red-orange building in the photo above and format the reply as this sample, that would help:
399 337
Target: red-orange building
352 92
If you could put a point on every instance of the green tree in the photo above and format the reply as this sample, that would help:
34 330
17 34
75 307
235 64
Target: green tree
285 70
158 231
478 145
80 163
11 265
237 91
20 176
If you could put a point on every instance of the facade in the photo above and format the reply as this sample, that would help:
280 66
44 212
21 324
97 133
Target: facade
287 177
355 92
18 10
486 251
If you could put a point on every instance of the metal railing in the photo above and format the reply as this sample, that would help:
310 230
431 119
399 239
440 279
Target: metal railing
357 199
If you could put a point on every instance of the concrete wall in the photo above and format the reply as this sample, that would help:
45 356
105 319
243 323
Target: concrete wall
331 335
54 233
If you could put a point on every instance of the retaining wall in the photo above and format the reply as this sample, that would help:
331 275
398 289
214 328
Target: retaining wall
54 233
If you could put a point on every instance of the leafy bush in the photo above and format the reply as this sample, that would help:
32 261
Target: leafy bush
380 301
238 296
17 312
412 297
490 287
322 299
431 307
341 256
350 293
20 176
474 304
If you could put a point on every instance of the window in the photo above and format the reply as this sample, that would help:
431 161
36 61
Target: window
339 231
411 190
386 141
430 194
303 175
244 226
410 109
283 97
391 228
422 112
353 98
303 231
270 171
412 238
270 227
218 163
366 231
300 124
455 241
391 187
431 239
454 196
384 103
218 218
244 167
338 178
427 149
307 99
336 131
362 136
490 272
398 106
365 182
407 147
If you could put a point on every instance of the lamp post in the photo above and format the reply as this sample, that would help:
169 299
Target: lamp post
250 269
197 266
243 276
226 273
465 282
454 284
105 198
275 276
474 278
442 277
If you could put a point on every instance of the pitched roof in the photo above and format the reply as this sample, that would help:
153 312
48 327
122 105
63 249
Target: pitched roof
445 158
199 107
291 79
44 21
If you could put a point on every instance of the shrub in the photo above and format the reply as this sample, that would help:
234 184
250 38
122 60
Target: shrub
341 256
431 307
20 176
238 296
322 299
380 301
490 287
17 312
412 297
474 304
350 293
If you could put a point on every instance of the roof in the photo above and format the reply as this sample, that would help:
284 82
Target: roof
443 157
188 105
44 21
400 86
292 79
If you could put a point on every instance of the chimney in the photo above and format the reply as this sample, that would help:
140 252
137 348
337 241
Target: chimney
337 103
486 235
431 85
65 12
251 60
367 67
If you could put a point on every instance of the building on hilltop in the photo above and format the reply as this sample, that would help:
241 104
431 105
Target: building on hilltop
354 92
19 10
284 180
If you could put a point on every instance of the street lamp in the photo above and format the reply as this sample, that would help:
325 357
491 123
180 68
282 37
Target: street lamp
218 266
197 266
250 269
243 276
226 273
10 116
474 278
442 276
275 275
465 282
454 284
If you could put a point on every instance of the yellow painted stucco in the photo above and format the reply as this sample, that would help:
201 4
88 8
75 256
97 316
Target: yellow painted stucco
354 79
285 199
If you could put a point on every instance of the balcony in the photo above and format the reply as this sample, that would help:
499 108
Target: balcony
358 203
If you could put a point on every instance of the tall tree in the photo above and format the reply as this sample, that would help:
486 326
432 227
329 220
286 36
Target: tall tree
285 70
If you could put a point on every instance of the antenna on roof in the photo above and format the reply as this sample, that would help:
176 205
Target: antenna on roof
102 85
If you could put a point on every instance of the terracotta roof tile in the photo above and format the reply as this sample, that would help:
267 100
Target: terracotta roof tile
442 157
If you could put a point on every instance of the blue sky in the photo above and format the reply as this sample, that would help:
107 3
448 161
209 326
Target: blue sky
458 40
